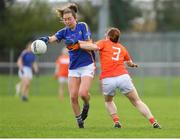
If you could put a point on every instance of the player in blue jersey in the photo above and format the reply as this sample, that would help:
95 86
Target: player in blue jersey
26 64
82 66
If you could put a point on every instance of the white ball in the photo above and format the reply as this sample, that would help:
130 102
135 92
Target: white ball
38 47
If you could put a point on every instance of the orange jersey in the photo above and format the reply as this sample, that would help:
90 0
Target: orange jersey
112 58
63 63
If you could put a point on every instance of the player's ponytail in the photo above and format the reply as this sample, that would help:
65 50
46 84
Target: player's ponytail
71 8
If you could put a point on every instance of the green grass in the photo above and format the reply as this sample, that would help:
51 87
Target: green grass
45 116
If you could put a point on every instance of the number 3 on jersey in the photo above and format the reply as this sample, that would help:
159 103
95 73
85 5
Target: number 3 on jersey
116 53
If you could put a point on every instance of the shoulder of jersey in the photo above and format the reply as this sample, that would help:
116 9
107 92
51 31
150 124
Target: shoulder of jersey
63 29
24 52
82 23
102 41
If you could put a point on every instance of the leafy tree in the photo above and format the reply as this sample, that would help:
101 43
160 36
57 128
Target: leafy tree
2 10
167 15
20 23
121 13
24 22
88 14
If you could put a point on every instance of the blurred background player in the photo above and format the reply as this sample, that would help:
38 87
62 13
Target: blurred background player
114 75
26 64
61 72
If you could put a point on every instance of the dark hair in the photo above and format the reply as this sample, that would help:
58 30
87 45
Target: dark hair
113 34
70 8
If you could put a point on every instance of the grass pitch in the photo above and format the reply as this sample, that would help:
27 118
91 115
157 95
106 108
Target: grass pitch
47 117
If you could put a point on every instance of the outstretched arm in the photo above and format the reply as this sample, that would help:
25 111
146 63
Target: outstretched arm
48 39
52 39
88 45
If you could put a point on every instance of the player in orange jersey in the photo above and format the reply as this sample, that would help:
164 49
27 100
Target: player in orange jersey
61 71
114 75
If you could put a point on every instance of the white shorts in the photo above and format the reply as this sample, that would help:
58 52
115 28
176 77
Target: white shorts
88 70
122 82
25 73
62 79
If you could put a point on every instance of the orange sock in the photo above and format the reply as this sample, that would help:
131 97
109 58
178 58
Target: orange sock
115 118
152 120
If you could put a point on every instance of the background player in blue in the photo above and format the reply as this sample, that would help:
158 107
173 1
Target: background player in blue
26 64
81 67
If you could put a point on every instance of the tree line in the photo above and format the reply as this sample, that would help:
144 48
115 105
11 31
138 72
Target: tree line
19 23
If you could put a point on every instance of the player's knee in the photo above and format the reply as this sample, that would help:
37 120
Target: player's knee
85 97
83 93
136 102
26 83
74 99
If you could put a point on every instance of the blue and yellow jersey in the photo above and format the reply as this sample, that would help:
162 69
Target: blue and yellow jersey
28 58
78 57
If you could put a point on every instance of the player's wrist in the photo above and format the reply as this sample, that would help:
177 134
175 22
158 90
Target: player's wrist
45 39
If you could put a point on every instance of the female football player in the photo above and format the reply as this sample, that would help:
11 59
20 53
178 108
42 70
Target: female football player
26 64
81 67
61 72
114 75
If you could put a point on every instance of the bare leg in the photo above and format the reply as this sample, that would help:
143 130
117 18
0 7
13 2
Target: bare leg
61 91
18 88
25 88
112 110
85 85
73 86
139 104
142 107
86 82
